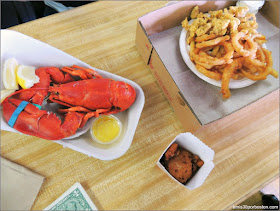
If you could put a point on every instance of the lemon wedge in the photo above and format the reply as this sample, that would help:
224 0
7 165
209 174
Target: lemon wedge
9 74
5 93
26 76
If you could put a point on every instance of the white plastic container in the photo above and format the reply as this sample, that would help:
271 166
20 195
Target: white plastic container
95 125
191 143
254 6
36 53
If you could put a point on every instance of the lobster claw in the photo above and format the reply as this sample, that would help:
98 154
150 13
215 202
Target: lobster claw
33 121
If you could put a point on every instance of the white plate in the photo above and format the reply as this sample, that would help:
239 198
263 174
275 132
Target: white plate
185 52
29 51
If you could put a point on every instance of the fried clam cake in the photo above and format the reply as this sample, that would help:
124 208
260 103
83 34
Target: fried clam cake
181 163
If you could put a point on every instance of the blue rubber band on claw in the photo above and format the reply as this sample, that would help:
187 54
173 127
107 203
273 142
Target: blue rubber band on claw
18 110
38 106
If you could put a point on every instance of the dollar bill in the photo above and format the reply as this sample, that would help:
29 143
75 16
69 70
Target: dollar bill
75 198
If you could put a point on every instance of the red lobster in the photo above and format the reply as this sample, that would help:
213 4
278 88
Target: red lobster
88 97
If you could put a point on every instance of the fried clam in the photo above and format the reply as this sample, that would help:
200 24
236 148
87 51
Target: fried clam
205 37
185 24
195 12
248 16
198 27
219 26
250 24
203 29
216 14
259 38
233 24
239 12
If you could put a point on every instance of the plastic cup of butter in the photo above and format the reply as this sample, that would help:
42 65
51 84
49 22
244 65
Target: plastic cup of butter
106 129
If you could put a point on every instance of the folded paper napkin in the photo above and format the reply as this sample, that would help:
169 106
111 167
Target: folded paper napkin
19 186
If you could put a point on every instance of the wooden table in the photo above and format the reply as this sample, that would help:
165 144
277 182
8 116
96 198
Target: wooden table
102 34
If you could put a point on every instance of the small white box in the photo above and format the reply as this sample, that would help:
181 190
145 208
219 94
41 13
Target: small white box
191 143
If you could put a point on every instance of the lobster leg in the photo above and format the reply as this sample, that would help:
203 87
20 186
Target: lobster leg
52 99
56 75
76 108
86 117
89 112
84 73
93 72
93 114
97 113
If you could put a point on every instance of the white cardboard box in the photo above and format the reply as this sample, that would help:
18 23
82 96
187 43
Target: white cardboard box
191 143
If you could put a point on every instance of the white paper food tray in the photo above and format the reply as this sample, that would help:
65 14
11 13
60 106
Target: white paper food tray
32 52
191 143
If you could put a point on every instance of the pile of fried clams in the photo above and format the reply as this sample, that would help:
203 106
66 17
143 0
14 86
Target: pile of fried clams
180 163
225 45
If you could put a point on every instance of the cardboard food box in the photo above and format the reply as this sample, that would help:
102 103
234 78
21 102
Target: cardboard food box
195 101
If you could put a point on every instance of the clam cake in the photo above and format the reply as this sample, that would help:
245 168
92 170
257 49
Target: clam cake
181 163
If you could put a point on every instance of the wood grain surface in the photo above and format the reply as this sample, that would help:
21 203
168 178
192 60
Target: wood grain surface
102 34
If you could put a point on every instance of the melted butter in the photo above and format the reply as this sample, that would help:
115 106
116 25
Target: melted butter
105 129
